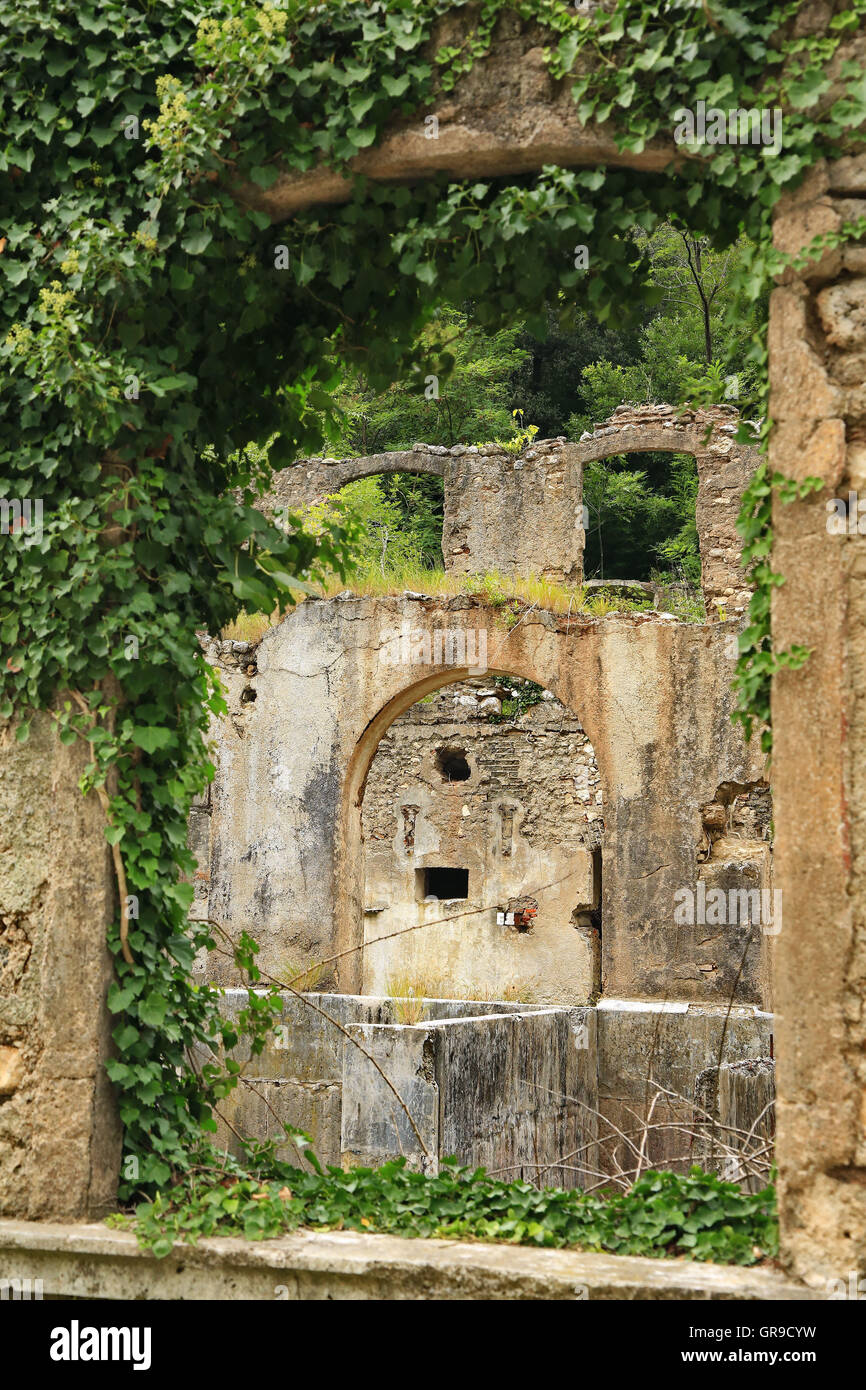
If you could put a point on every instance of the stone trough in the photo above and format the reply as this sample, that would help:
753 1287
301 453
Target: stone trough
530 1092
504 1085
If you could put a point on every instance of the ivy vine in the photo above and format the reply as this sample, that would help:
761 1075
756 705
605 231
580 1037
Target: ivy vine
156 325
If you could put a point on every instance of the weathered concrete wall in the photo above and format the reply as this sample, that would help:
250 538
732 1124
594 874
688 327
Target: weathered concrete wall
59 1129
92 1262
644 1051
553 1096
652 695
817 365
736 1115
529 1108
529 813
527 1113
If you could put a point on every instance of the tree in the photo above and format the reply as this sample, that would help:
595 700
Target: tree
462 392
392 532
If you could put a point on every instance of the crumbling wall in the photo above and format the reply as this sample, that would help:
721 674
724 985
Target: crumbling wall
735 1116
523 513
557 1095
652 694
515 513
529 812
724 469
313 479
817 364
59 1130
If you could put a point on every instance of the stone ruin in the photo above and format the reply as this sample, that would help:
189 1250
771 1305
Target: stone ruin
523 513
510 908
667 756
457 788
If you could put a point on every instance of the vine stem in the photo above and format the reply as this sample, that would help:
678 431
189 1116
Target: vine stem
339 1026
117 857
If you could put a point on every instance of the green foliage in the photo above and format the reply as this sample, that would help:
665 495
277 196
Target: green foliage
464 398
150 334
392 535
640 517
522 696
758 662
522 439
459 391
664 1214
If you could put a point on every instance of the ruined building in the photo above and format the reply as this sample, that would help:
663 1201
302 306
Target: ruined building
540 920
280 834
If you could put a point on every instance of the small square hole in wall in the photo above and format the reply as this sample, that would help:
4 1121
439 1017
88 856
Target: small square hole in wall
452 766
442 883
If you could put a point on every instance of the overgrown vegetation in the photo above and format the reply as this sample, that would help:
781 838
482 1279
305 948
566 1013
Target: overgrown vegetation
407 994
696 1215
511 595
155 325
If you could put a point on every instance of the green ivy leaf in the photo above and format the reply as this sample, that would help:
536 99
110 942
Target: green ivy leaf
197 241
151 737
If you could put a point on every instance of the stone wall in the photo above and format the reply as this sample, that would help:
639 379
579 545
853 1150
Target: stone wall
817 366
556 1094
523 513
59 1130
528 813
724 469
736 1106
92 1262
516 513
283 856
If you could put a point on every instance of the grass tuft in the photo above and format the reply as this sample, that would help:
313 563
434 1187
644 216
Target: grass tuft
511 594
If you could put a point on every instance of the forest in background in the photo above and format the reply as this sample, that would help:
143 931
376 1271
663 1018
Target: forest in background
693 344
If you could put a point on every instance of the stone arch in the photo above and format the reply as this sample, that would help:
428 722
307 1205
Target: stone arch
724 466
312 479
522 514
515 513
349 858
652 696
506 115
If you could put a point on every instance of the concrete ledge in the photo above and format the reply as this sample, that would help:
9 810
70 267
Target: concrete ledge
90 1261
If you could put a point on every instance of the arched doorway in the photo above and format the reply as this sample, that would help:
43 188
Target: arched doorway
483 805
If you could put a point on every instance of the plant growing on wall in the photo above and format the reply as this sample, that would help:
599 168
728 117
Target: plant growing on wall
155 323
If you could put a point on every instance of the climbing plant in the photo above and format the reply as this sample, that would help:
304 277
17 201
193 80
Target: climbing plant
156 324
